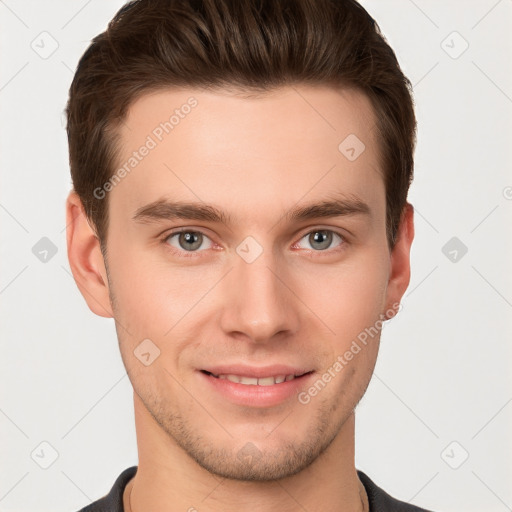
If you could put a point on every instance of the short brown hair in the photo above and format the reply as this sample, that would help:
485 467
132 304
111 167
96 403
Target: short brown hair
254 45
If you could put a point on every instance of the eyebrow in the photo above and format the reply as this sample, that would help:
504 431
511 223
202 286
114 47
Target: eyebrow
164 209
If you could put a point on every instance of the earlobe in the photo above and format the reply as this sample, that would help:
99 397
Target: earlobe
400 264
85 258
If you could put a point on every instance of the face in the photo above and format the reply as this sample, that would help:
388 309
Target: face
248 249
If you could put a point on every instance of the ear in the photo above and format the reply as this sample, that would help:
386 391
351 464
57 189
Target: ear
400 265
85 258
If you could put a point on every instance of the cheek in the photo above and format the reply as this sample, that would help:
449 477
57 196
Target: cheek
151 294
348 297
162 303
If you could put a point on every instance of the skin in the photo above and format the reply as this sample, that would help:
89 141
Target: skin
256 158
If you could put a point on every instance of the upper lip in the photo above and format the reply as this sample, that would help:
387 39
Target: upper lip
257 371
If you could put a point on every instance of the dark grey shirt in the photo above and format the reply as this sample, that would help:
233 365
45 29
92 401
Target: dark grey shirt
379 500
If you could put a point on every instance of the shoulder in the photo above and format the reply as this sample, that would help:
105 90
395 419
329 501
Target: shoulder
380 501
113 501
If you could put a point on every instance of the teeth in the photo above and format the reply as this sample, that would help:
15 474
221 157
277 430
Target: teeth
249 380
253 381
266 381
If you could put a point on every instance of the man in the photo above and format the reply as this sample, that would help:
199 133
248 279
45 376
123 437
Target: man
239 207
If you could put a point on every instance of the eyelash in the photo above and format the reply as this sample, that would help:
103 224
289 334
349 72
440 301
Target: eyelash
194 254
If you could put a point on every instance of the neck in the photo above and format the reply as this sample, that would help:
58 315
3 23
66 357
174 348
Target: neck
167 479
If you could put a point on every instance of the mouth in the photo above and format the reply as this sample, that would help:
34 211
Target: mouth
253 386
256 381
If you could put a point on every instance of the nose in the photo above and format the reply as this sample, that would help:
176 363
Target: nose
259 305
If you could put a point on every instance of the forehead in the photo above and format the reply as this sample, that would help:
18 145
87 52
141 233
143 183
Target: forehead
248 151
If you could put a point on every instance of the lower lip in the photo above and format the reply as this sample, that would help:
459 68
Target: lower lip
254 395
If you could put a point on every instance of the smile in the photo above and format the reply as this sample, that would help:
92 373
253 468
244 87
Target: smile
255 387
255 381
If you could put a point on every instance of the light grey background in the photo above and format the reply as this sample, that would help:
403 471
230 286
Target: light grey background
442 388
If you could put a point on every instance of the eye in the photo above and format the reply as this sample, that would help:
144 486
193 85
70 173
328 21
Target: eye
321 239
187 240
191 241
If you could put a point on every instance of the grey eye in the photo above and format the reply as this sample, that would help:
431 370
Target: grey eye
189 241
321 239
